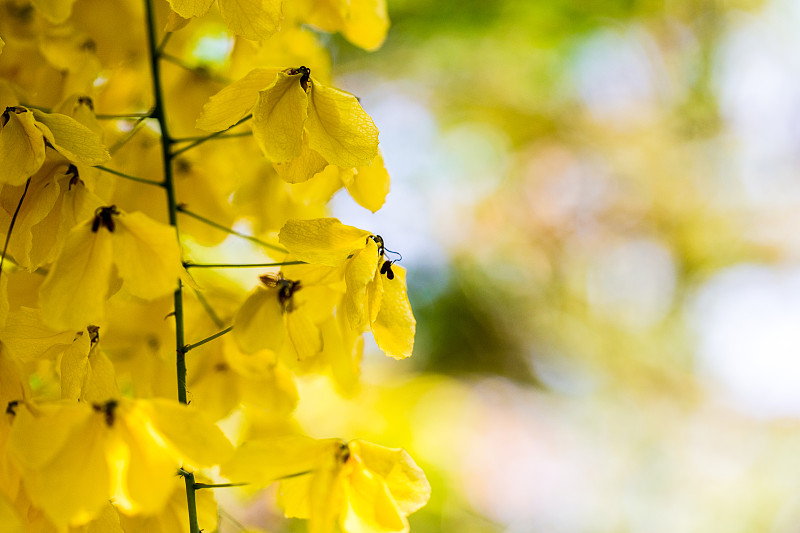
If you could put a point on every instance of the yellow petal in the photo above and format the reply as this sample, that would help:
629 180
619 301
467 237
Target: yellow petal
359 273
304 334
339 129
370 507
259 323
405 480
28 338
262 462
375 295
10 520
303 167
56 11
326 492
21 146
366 23
192 436
100 383
324 241
368 185
394 327
278 118
175 22
232 103
74 449
149 465
72 139
190 8
147 255
74 292
252 19
75 367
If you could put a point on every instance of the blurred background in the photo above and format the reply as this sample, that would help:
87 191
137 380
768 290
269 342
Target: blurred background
598 204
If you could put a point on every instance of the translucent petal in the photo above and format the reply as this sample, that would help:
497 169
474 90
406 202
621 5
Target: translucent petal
190 8
21 147
394 327
192 436
324 241
262 462
278 118
370 507
56 11
75 367
147 255
72 139
303 167
253 19
74 292
368 185
366 23
235 101
304 334
27 337
359 273
405 480
259 323
339 129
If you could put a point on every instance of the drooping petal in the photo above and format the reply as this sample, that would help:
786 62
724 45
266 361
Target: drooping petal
324 241
75 367
304 334
21 146
394 327
358 274
147 255
303 167
28 338
405 480
262 462
72 139
74 292
366 23
368 185
190 8
256 20
278 118
235 101
259 323
370 507
339 129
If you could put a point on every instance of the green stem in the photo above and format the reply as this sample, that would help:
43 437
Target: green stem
122 141
220 227
124 116
209 137
207 339
159 113
198 69
218 485
213 137
242 265
209 310
129 177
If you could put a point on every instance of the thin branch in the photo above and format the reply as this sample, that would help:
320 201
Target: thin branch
207 339
163 44
122 141
11 225
209 310
129 177
213 137
216 134
159 113
218 485
204 71
232 231
124 116
242 265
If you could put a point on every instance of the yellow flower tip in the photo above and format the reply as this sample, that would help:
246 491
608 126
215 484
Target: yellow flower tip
22 147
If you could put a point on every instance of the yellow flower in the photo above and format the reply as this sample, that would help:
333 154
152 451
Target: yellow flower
143 253
297 121
272 312
75 457
363 487
23 133
376 288
252 19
